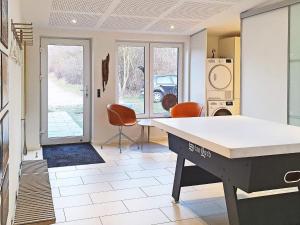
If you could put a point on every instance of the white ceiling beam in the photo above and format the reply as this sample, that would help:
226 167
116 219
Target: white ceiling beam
107 13
163 15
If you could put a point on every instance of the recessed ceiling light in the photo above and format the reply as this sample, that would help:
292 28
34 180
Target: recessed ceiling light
74 21
172 27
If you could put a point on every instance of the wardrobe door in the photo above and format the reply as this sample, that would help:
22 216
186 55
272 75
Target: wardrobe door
294 66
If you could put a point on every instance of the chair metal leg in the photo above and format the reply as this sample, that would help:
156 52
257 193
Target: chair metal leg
109 140
128 138
124 135
120 138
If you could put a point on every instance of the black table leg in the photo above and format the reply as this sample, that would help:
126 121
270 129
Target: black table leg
231 203
177 178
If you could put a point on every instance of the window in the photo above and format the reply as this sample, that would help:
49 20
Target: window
146 73
131 77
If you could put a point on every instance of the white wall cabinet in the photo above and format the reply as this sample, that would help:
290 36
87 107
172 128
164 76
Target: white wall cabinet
265 66
198 53
271 65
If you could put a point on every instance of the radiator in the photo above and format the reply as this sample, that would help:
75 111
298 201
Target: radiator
34 201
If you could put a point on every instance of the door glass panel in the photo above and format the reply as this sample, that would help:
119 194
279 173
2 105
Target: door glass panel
165 76
65 91
294 76
131 77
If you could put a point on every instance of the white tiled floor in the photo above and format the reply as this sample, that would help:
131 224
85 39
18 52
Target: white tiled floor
132 188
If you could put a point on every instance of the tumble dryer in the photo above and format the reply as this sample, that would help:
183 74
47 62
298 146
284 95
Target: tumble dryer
219 79
223 108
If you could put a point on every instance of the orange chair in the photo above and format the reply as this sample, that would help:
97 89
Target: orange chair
186 109
121 116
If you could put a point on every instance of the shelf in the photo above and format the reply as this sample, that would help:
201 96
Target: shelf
23 33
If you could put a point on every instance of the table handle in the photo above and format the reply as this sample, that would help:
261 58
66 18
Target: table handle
292 177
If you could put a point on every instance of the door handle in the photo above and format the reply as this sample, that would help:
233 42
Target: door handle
85 91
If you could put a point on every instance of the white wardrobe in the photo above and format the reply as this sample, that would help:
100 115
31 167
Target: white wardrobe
270 74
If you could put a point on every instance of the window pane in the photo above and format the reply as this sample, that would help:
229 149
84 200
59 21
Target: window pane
294 70
65 96
131 77
165 76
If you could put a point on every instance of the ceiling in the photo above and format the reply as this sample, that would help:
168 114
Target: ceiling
142 16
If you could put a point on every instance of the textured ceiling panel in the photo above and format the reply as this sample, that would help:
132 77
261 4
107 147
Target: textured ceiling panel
198 10
125 23
178 26
229 1
87 6
145 8
65 19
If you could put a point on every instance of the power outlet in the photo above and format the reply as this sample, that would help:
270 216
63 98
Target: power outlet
98 93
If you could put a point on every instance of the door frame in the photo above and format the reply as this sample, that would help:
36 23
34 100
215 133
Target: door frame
86 43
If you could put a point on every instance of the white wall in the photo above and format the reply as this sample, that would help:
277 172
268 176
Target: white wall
231 48
198 66
14 107
102 43
264 65
212 43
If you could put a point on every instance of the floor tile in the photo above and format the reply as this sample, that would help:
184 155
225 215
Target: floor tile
77 173
96 210
147 217
60 169
133 188
55 192
60 215
52 176
157 165
206 208
84 189
66 182
94 221
149 203
104 177
163 189
71 201
96 166
196 221
202 195
178 212
219 219
148 173
118 195
135 161
118 169
171 170
109 158
141 182
168 179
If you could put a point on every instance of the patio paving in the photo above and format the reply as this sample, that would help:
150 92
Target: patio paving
61 124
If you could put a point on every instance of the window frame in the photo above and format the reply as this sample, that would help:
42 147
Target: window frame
146 74
179 75
148 86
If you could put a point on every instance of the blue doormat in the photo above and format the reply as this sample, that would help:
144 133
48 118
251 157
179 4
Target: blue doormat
71 155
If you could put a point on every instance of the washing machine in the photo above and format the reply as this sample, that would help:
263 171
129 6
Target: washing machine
223 108
219 79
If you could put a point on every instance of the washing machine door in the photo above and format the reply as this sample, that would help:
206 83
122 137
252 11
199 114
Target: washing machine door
222 112
220 77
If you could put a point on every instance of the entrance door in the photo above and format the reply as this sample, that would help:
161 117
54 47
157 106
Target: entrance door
65 91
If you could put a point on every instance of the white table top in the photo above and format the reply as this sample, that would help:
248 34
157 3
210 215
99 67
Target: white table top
145 122
235 136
